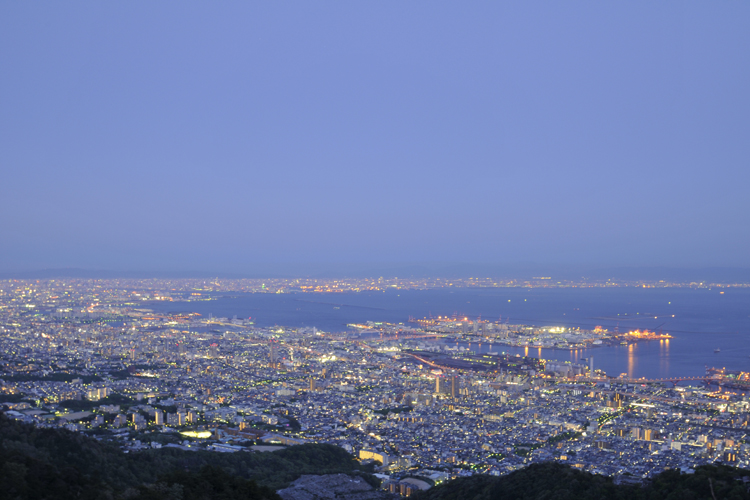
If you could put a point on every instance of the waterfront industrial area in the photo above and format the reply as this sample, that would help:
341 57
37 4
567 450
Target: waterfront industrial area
92 357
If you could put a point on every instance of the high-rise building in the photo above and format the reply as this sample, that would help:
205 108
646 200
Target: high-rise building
159 417
447 385
273 355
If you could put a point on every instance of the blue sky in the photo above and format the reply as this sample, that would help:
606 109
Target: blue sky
223 136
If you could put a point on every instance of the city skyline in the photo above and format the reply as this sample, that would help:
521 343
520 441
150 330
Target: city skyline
419 401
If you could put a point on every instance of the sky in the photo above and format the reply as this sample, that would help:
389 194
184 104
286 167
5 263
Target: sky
224 136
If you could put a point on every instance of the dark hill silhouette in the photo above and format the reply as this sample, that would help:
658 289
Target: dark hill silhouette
39 463
548 481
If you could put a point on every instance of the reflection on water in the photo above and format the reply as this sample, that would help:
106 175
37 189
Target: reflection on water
701 320
664 358
650 359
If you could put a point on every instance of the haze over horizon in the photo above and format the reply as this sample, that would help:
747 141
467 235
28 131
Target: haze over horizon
222 138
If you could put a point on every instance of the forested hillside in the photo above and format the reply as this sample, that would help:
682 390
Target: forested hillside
560 482
54 463
51 464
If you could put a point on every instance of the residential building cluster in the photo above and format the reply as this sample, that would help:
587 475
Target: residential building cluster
90 357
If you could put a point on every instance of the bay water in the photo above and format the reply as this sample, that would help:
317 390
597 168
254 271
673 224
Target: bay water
701 320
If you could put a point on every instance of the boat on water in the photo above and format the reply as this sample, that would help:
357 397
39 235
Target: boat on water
717 350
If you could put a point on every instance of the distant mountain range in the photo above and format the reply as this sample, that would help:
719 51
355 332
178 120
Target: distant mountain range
521 272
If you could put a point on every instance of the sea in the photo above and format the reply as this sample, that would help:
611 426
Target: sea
710 326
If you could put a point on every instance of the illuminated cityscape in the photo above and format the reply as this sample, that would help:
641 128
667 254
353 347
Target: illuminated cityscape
90 356
373 250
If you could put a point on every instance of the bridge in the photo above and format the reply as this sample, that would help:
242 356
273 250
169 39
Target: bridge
428 362
405 335
707 379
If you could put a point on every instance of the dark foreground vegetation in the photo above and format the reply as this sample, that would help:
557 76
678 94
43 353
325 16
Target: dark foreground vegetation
553 481
51 464
56 464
